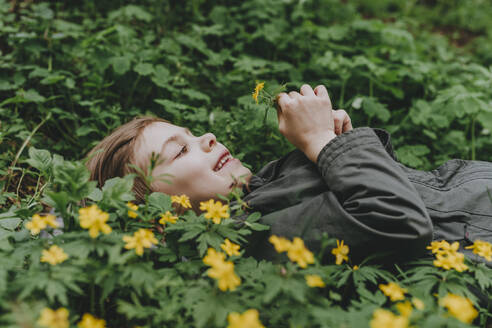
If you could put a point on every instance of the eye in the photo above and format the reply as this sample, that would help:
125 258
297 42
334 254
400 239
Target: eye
183 150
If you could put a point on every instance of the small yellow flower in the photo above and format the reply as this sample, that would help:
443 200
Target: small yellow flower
356 267
94 219
340 252
417 302
459 307
89 321
280 243
230 248
313 280
386 319
299 253
54 318
451 260
213 258
53 255
405 308
36 224
249 319
143 238
182 200
482 248
224 273
168 217
258 88
215 210
393 291
132 208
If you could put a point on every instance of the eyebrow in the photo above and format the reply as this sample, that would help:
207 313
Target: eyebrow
172 139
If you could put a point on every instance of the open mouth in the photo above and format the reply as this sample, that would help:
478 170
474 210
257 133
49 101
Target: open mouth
222 161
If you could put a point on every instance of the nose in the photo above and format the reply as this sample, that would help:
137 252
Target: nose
208 141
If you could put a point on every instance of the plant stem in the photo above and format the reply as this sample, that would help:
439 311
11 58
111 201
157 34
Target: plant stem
342 94
473 137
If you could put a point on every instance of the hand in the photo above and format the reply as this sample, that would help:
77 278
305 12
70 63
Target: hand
342 121
307 119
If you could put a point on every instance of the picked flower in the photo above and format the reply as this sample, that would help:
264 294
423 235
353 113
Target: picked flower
54 318
393 291
132 208
215 211
53 255
94 219
258 88
313 280
386 319
168 217
249 319
143 238
89 321
281 244
482 248
230 248
39 223
182 200
340 252
299 253
459 307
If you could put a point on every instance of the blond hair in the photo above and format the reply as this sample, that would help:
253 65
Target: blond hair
113 156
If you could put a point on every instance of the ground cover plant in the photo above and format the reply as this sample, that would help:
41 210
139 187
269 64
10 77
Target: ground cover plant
74 255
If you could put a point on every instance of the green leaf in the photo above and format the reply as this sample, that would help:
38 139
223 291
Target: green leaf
144 69
120 64
161 76
39 159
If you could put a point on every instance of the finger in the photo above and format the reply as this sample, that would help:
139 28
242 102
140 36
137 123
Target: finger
306 90
321 91
283 100
337 122
294 94
346 122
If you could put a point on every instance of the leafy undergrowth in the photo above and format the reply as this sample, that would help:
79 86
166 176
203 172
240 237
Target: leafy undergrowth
147 266
71 72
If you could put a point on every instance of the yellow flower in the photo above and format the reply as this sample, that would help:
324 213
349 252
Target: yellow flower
459 307
213 258
168 217
132 208
230 248
340 252
89 321
256 93
215 210
438 246
54 318
36 224
393 291
313 280
248 319
417 302
405 308
94 219
143 238
451 260
224 273
482 248
53 255
299 253
385 319
281 244
182 200
356 267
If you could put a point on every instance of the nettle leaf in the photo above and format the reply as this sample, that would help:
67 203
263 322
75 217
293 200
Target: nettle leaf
161 77
144 69
121 64
411 154
160 201
39 159
118 190
374 108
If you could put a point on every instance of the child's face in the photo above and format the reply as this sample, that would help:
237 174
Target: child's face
192 162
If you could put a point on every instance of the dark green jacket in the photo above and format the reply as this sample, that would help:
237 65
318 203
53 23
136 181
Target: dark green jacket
358 192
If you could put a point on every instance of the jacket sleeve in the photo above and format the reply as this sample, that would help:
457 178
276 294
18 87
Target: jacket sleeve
384 208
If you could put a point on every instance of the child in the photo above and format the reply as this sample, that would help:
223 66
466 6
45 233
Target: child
343 181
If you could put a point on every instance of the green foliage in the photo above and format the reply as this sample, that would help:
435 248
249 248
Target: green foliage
72 72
